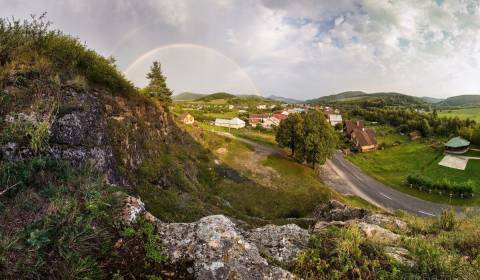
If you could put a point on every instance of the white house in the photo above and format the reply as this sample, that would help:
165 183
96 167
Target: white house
261 107
233 123
335 119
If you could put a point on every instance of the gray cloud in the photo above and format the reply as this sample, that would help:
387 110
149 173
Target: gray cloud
300 49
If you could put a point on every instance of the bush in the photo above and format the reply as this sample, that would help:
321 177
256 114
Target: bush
444 187
447 220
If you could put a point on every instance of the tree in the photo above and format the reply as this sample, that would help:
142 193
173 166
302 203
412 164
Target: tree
157 86
320 138
290 132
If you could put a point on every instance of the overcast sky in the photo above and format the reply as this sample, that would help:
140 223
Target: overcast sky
298 49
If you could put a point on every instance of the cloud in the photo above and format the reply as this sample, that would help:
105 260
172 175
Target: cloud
301 48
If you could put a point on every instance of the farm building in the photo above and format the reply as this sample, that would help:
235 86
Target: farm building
364 139
414 135
233 123
457 145
351 125
279 117
186 118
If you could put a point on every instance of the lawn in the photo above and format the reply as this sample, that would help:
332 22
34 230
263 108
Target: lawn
472 113
393 164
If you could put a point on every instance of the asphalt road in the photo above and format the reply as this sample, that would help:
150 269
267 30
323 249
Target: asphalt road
379 194
347 178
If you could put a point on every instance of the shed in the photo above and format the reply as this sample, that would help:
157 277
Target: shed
457 145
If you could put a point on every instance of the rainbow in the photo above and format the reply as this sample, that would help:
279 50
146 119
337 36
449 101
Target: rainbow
151 52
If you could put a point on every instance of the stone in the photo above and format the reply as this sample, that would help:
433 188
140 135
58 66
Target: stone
217 249
132 208
378 233
385 221
399 254
280 242
337 211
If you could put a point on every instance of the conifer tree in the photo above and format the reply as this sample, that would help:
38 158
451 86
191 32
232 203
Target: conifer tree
157 86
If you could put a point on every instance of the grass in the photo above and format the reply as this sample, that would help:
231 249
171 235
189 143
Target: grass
471 113
392 165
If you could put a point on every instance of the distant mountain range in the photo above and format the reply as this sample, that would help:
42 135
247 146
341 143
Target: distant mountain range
285 99
355 97
432 100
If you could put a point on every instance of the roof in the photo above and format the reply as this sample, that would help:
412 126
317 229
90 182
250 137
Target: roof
351 125
415 133
365 137
182 116
457 142
236 121
280 116
258 116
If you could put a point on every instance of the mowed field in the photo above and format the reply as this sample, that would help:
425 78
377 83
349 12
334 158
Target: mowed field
472 113
392 165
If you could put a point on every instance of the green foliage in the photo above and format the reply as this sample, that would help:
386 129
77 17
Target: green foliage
157 86
54 53
447 220
290 133
445 187
128 232
38 238
39 135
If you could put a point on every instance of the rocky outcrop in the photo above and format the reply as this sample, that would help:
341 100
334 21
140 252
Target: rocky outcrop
337 211
218 249
378 233
280 242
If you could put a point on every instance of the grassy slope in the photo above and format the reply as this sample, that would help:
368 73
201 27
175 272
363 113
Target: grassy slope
392 165
472 113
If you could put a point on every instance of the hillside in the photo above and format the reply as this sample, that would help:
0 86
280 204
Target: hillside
97 181
360 98
461 100
432 100
187 96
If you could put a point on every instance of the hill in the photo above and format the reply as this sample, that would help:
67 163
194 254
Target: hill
217 95
432 100
284 99
187 96
360 98
461 100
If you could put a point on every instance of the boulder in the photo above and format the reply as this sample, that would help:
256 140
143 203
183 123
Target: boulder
386 221
217 249
280 242
399 254
337 211
378 233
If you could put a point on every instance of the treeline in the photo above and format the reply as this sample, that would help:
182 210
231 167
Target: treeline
429 124
309 136
444 187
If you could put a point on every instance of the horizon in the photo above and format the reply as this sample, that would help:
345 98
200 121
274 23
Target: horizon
292 49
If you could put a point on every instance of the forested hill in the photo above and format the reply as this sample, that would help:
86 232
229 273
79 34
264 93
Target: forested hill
187 96
368 99
461 100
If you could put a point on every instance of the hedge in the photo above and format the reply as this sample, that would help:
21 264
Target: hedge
444 187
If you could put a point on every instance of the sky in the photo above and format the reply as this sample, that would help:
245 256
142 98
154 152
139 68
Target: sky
298 49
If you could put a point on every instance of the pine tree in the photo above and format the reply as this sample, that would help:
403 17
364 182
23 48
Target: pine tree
157 86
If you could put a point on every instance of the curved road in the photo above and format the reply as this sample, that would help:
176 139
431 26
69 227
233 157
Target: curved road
347 178
364 186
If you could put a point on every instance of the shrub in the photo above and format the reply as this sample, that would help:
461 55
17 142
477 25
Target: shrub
444 187
39 135
447 220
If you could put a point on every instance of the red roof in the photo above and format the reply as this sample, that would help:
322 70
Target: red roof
351 125
280 116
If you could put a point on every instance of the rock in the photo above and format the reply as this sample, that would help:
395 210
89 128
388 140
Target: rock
280 242
399 254
378 233
337 211
385 221
319 226
217 249
131 210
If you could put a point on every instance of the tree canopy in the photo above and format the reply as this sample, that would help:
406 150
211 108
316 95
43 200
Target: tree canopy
157 86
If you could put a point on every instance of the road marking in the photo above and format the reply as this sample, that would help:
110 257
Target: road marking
384 195
426 213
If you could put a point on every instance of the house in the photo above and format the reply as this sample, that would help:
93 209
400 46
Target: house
414 135
351 125
261 107
255 119
364 139
457 145
230 107
285 113
233 123
279 117
296 110
186 118
269 122
335 119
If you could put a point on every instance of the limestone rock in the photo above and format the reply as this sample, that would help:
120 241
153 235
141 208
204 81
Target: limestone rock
399 254
217 249
337 211
132 209
385 221
280 242
378 233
